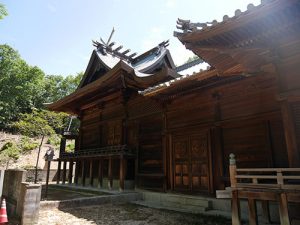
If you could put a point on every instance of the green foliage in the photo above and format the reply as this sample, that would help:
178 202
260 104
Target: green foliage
24 88
57 86
70 146
10 150
27 144
54 140
33 125
3 11
190 59
21 86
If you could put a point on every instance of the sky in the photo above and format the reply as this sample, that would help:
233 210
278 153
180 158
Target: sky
56 35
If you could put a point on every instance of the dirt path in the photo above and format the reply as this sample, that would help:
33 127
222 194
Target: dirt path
124 214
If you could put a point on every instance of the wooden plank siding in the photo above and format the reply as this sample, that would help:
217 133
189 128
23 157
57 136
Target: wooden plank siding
241 117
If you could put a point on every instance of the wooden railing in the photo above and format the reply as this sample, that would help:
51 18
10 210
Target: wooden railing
103 151
264 184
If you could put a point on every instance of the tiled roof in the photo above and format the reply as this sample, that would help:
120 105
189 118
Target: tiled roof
188 27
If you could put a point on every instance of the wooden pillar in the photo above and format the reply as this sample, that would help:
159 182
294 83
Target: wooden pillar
252 211
165 146
217 158
76 172
171 169
110 175
290 134
283 210
235 203
232 170
70 171
62 147
91 173
123 165
47 178
64 172
266 211
83 172
58 172
100 173
235 208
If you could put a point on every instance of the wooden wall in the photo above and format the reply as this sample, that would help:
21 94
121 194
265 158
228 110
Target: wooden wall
242 117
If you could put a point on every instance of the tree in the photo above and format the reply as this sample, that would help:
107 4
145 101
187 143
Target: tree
3 11
21 86
57 87
34 125
192 58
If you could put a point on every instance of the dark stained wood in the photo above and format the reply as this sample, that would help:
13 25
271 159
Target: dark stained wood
64 172
91 162
100 173
83 171
291 142
58 171
235 209
77 168
70 175
123 162
252 212
283 209
110 173
266 211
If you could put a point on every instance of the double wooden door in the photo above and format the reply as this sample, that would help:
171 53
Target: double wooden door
191 163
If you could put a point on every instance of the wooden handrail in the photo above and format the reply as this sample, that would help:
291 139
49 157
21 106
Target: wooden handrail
264 184
278 178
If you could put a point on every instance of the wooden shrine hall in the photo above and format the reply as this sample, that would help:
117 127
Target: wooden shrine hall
144 124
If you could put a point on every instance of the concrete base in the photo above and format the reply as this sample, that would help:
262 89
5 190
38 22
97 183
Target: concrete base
81 202
177 202
30 203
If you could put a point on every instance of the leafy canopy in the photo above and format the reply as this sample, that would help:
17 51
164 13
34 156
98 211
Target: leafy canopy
3 11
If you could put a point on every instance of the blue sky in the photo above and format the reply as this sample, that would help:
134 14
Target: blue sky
56 35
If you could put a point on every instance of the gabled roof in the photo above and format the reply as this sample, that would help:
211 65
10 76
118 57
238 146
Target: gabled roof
104 58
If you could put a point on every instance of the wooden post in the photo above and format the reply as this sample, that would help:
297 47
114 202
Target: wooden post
123 163
110 175
83 172
91 173
70 171
64 172
232 170
77 166
47 178
283 209
265 211
58 172
100 173
290 137
235 203
252 211
235 208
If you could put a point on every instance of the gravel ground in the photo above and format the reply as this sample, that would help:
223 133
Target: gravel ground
125 214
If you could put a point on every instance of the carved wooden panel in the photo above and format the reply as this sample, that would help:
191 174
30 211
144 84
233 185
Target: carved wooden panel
199 162
191 163
114 133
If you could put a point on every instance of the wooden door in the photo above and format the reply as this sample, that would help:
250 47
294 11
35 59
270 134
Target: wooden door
199 163
181 164
191 163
